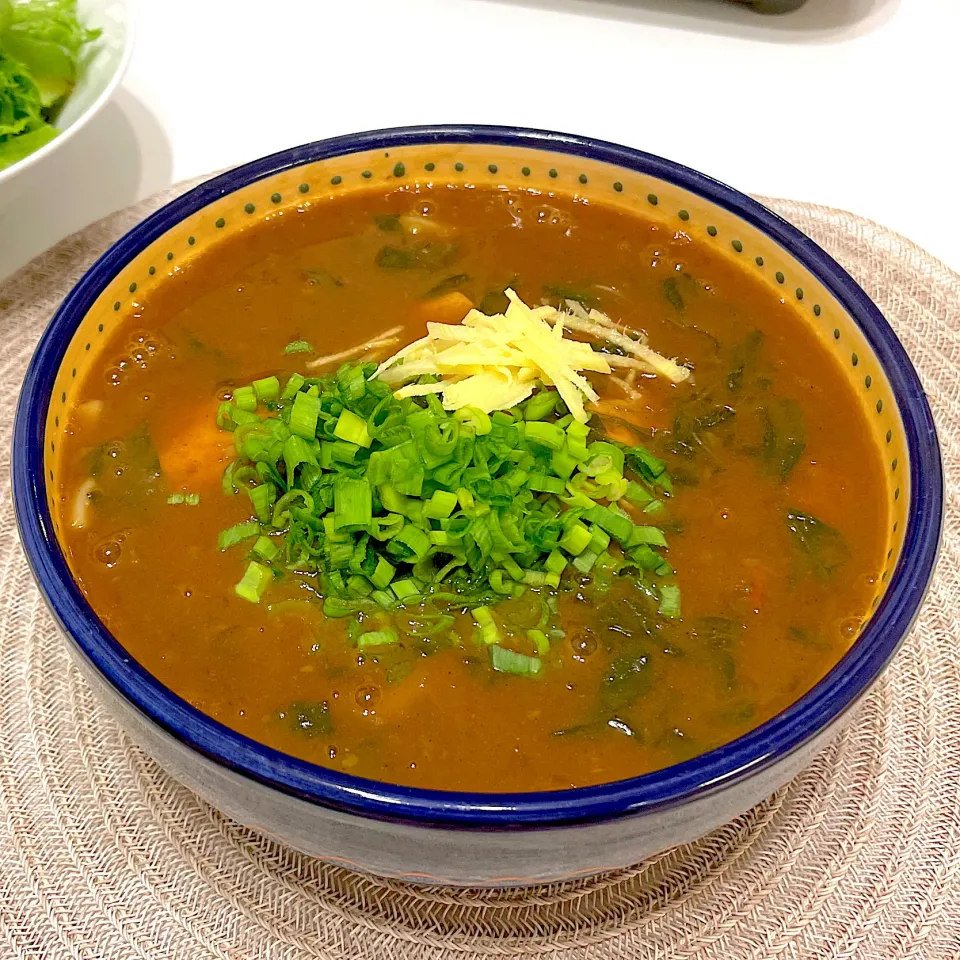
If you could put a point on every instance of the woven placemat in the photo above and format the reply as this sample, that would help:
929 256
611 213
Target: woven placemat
102 855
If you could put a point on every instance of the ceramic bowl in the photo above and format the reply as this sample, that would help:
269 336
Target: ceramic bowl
463 838
104 65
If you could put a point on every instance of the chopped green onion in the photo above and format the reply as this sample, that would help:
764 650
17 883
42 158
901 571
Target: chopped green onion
351 381
339 451
237 534
577 499
548 435
393 500
489 632
500 585
399 502
283 508
638 495
543 483
670 601
603 456
577 440
231 417
576 539
555 562
340 607
476 418
225 420
228 483
540 405
540 640
410 544
412 483
190 499
651 468
376 638
352 504
645 557
359 586
515 479
262 498
254 582
383 573
296 450
383 528
405 589
584 561
507 661
562 462
599 539
267 389
352 429
266 549
384 599
304 416
298 346
245 398
293 386
440 505
613 522
651 535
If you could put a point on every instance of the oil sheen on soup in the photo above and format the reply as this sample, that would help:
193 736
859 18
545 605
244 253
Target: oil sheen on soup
773 517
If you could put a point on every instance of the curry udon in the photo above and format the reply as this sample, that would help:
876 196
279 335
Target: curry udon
515 602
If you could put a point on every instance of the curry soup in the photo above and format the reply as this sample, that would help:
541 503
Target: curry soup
769 517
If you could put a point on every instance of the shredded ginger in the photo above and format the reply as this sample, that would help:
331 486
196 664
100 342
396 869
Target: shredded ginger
494 362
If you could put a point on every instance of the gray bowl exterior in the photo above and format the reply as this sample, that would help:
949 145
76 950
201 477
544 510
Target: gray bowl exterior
443 855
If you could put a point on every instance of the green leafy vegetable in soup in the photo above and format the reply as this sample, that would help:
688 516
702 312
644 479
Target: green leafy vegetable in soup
472 501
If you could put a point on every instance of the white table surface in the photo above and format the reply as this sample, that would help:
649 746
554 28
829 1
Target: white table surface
849 103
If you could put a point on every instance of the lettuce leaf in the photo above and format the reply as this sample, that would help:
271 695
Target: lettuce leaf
46 37
21 109
15 149
41 42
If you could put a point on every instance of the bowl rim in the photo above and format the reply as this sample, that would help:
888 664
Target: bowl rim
717 769
102 99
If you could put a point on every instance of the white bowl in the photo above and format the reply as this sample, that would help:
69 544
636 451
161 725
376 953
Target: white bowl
105 64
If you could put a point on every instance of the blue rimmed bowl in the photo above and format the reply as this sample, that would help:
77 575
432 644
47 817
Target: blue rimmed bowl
463 838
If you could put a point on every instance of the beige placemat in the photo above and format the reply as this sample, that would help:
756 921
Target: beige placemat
102 855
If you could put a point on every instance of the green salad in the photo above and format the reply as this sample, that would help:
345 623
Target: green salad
41 46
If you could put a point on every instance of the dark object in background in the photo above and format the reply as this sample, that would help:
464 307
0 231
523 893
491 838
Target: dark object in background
773 6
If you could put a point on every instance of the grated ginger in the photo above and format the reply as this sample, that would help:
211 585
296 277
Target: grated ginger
494 362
